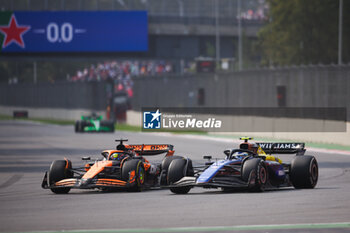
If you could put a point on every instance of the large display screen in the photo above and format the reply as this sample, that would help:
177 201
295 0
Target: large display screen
73 31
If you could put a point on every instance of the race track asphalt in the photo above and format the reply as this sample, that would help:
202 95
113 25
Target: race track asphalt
27 150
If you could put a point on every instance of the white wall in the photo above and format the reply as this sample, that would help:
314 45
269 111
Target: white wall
342 138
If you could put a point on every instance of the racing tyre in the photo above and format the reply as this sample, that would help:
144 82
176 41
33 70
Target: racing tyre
133 172
60 170
179 168
111 127
81 125
304 172
164 168
77 126
257 167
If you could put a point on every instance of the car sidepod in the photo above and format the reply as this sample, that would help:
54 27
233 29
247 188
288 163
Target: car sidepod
277 175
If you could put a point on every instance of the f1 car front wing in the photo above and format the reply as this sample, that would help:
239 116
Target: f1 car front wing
227 182
85 183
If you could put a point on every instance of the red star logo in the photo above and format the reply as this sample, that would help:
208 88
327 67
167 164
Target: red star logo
13 33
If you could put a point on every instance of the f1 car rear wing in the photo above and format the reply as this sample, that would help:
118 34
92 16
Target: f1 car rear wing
282 147
152 149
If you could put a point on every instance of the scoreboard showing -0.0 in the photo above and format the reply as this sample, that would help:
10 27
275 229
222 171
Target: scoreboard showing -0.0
73 31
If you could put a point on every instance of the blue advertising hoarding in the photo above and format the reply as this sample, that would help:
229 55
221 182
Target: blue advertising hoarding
73 31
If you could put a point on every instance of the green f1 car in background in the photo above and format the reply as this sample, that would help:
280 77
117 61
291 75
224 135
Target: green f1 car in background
93 123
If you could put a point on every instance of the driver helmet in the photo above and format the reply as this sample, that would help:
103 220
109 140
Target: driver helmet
240 155
249 146
117 156
254 147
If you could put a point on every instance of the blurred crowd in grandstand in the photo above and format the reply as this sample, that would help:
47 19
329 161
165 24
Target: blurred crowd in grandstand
121 72
117 70
258 14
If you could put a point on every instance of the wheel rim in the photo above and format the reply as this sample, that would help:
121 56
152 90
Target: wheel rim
314 172
141 175
262 175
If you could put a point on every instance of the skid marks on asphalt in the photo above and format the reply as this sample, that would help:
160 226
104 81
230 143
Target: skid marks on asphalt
13 179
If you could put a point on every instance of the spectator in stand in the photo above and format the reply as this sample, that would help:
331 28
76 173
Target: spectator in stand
125 69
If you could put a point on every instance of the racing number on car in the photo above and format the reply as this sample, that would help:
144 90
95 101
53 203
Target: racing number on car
158 147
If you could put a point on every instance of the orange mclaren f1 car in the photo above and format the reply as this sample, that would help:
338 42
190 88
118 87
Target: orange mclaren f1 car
125 167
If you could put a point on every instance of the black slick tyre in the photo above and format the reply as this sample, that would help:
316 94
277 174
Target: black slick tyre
133 172
257 167
80 126
304 172
164 168
77 126
167 160
111 127
60 170
179 168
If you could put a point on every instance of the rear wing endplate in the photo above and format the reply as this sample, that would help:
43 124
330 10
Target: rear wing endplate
283 147
151 149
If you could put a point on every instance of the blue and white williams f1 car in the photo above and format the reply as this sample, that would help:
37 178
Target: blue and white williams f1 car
251 167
